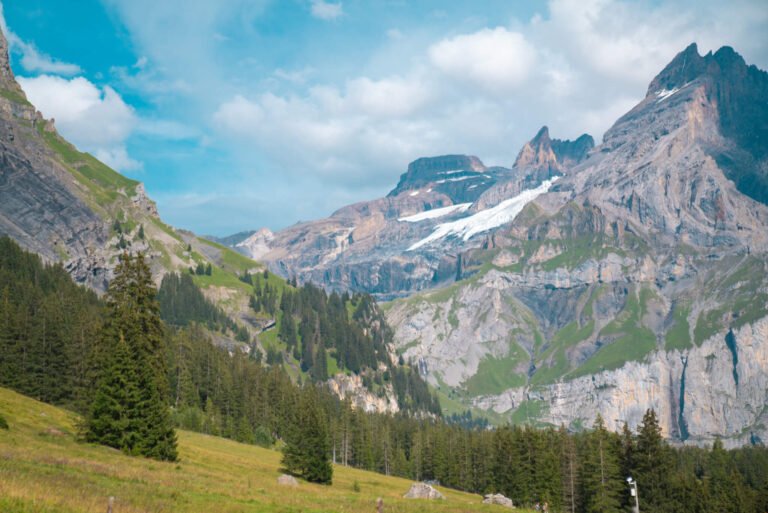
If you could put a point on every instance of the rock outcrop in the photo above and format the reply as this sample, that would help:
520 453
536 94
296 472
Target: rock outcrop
351 387
498 499
287 480
423 491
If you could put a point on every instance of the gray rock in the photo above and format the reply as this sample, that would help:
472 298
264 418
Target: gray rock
498 499
423 491
287 480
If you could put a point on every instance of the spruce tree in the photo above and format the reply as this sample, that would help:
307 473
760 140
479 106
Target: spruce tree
602 482
131 410
652 464
109 422
307 445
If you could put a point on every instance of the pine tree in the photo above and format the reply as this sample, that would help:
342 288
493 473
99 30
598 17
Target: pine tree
320 369
602 482
109 422
570 472
307 445
652 464
135 418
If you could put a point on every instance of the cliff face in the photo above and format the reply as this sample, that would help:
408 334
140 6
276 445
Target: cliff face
41 206
715 390
640 279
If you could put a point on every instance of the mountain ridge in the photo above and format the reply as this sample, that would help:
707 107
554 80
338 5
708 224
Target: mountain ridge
627 269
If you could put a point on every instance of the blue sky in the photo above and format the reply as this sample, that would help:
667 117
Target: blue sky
240 114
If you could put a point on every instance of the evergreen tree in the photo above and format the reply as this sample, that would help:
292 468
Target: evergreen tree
307 448
135 418
110 422
570 472
602 482
320 369
652 464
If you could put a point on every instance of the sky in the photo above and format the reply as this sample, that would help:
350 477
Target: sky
241 114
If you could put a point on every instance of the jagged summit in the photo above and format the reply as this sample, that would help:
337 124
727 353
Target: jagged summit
689 65
544 152
736 96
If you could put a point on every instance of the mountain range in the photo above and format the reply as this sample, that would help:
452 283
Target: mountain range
583 279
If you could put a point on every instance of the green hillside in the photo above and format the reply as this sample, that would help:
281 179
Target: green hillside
45 469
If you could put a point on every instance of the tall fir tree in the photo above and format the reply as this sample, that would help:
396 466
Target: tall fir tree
602 482
652 465
110 420
307 445
132 356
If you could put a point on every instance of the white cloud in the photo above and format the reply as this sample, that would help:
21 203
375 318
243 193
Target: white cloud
32 59
494 59
326 10
95 120
393 97
167 129
298 76
35 61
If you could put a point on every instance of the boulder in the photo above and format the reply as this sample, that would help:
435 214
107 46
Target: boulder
423 491
286 480
499 499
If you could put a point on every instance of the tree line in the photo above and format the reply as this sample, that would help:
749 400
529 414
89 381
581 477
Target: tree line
62 344
318 329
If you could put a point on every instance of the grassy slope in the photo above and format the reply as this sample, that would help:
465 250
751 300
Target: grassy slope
54 473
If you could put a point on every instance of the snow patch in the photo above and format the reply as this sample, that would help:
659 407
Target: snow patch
665 93
414 193
488 219
459 179
436 212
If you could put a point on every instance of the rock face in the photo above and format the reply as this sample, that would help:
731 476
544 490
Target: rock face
640 280
351 387
423 491
498 499
41 206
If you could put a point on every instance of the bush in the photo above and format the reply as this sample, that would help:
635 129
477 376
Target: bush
3 422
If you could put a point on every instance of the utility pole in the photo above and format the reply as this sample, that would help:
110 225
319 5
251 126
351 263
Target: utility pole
633 492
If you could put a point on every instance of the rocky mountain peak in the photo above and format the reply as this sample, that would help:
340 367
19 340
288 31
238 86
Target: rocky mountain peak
542 137
7 80
686 66
544 153
537 152
431 169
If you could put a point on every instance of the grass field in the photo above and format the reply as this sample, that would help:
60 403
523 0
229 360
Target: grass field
43 468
